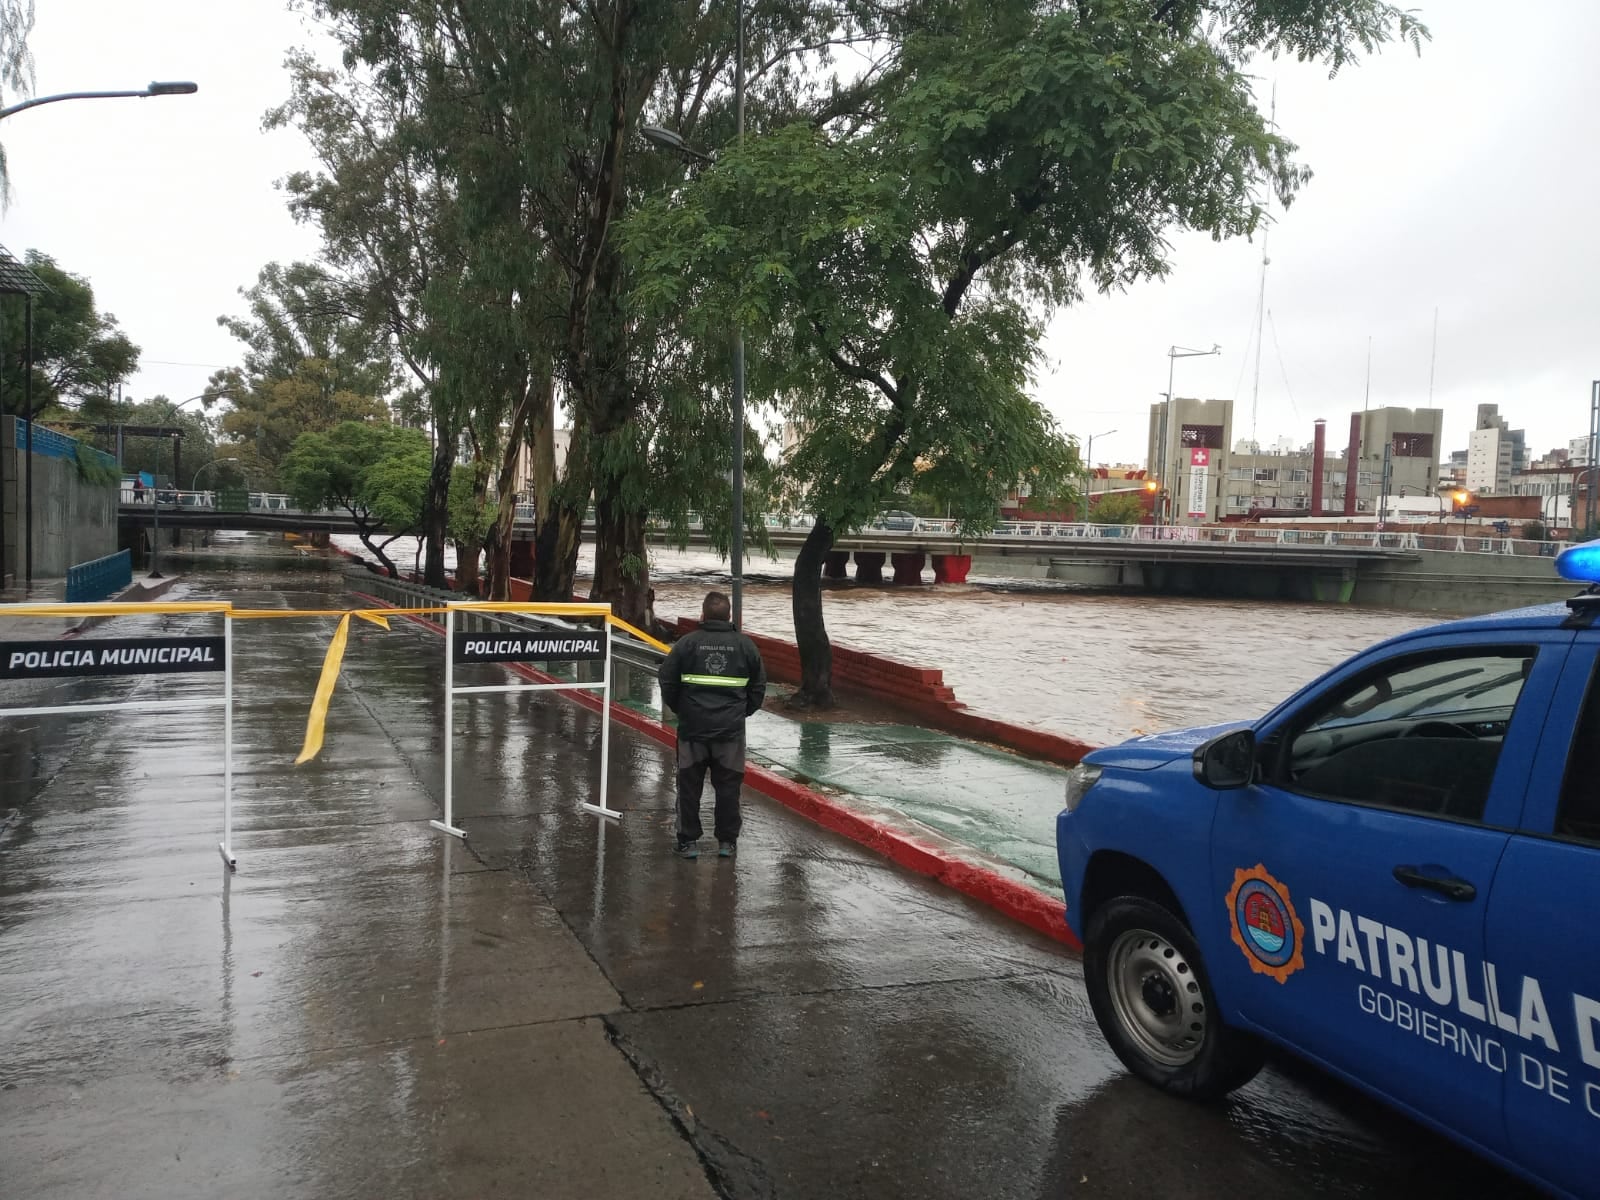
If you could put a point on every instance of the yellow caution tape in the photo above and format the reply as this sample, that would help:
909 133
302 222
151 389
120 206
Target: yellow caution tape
317 719
113 609
638 633
333 660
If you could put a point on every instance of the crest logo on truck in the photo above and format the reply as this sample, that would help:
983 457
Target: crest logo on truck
1264 924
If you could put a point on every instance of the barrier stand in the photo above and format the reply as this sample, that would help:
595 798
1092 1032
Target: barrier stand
523 646
59 659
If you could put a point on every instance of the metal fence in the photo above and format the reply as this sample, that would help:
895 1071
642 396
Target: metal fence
99 578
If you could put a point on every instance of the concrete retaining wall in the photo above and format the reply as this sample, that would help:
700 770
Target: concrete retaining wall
920 692
73 522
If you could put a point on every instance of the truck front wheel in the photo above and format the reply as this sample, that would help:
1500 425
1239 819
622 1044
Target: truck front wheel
1150 994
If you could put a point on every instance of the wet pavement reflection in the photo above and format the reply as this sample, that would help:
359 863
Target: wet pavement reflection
557 1007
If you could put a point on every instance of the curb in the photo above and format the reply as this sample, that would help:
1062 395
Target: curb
1011 898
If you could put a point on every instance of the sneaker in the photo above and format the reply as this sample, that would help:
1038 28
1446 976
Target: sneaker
686 850
727 849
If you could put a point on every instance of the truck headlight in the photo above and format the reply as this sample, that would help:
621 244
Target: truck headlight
1079 780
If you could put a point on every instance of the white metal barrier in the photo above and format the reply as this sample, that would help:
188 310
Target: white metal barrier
58 658
565 644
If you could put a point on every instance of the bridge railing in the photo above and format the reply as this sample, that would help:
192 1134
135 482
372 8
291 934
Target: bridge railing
257 501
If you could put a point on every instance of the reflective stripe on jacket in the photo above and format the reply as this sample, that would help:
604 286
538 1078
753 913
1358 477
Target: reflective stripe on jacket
713 679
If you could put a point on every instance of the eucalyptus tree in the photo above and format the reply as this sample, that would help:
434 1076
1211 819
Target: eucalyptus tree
527 115
895 246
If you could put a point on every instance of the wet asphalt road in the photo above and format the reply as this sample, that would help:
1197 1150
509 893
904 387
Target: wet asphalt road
559 1008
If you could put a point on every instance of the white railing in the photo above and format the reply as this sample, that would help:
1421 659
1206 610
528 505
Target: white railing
168 498
1472 540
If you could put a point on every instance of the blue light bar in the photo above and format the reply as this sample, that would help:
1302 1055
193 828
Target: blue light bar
1581 564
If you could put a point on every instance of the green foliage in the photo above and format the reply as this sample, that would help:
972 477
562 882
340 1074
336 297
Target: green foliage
377 473
1535 531
470 518
1117 508
95 468
79 353
16 67
266 415
891 251
304 312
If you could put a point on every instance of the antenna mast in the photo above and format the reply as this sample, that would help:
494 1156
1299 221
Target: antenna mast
1261 295
1433 358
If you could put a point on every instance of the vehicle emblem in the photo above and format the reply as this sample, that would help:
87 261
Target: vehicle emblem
1265 925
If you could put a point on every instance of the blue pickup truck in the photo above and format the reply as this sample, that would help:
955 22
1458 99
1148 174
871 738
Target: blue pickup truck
1394 874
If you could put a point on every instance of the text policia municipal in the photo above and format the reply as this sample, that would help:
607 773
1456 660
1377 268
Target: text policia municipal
112 656
530 647
1515 1006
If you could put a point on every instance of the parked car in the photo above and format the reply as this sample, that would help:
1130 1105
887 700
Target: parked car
1394 874
897 521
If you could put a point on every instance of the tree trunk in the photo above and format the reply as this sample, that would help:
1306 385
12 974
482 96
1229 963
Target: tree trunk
810 632
621 564
366 540
555 554
498 543
436 511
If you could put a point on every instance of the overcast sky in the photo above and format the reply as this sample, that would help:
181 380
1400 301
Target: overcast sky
1466 181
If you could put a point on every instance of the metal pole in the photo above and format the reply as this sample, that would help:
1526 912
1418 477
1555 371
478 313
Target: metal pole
605 727
1594 449
177 477
736 545
27 467
1166 424
227 741
449 718
155 520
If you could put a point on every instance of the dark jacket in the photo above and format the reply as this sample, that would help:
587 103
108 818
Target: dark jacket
713 679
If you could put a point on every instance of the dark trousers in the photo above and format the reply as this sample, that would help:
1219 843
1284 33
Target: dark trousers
725 760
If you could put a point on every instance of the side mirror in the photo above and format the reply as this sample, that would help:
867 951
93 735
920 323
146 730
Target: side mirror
1227 762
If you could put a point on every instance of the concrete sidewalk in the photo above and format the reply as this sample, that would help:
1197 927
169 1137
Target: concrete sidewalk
557 1008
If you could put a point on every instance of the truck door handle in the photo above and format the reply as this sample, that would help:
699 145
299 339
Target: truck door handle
1445 885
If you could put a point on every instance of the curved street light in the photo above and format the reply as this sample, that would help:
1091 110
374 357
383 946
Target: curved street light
215 462
171 87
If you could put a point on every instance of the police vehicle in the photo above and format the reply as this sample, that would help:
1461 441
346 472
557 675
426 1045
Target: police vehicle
1394 874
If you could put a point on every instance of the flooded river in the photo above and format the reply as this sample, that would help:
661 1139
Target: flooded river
1089 664
1092 665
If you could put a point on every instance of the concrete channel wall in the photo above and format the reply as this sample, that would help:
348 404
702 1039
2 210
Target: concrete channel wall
73 521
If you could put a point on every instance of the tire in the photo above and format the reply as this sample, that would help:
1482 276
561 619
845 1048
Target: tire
1140 963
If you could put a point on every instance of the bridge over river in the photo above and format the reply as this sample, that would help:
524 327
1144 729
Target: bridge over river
1467 572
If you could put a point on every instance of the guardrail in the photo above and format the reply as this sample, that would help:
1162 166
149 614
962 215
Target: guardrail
99 578
257 501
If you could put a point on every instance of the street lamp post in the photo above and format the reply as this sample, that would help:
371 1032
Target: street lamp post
1174 353
1088 463
155 88
194 485
672 140
155 528
168 88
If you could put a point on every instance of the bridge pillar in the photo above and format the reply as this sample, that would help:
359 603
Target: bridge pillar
951 568
908 567
836 564
869 566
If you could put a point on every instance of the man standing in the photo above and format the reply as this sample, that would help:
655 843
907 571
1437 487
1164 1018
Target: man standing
713 679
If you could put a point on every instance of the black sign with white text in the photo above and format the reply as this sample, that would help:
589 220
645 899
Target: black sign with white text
112 656
575 645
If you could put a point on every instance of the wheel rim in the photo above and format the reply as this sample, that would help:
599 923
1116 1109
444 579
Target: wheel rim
1156 993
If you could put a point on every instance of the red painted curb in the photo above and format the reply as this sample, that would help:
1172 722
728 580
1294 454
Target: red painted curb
1010 897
